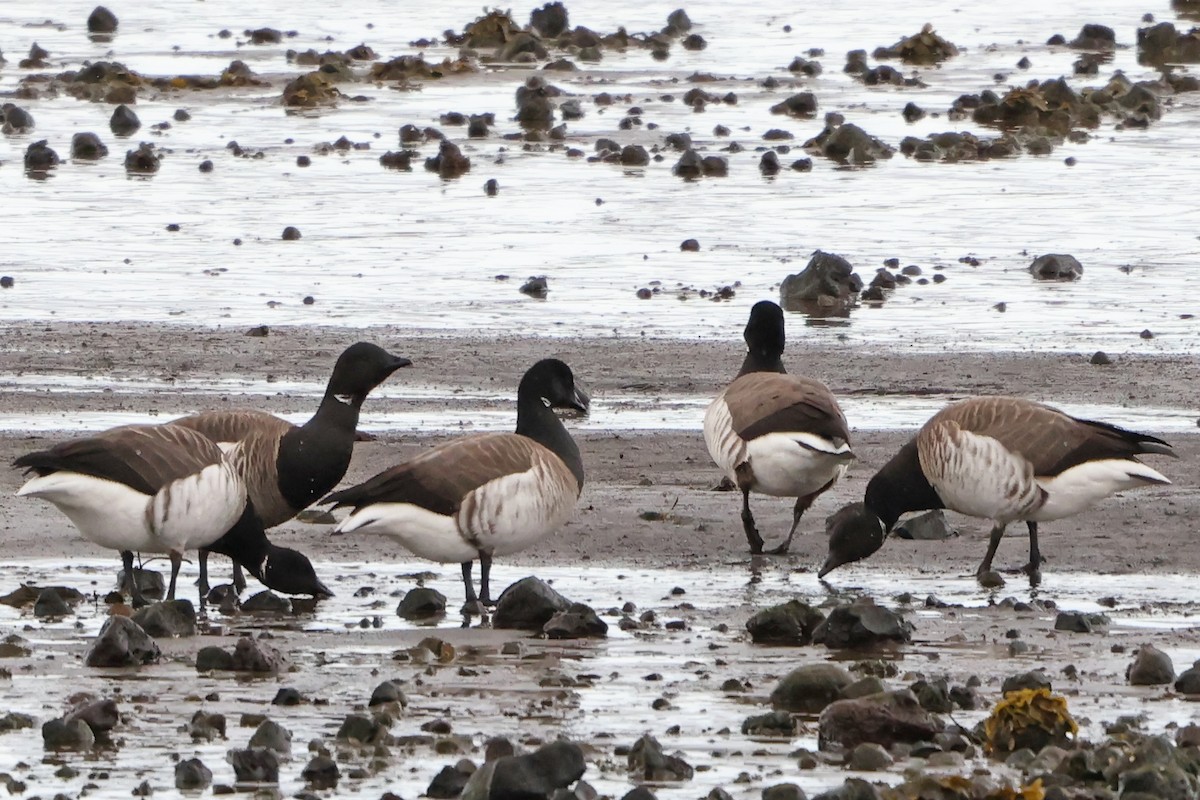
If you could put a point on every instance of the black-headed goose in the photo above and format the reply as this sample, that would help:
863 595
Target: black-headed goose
481 496
773 433
288 467
159 489
999 458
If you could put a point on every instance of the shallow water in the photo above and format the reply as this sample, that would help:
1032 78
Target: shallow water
340 660
412 250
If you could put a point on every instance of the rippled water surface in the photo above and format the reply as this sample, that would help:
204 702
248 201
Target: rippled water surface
409 249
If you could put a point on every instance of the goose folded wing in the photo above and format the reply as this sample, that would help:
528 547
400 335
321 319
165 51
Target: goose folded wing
762 403
235 425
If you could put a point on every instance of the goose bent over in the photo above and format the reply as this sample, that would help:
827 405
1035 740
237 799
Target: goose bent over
288 467
481 496
160 489
999 458
773 433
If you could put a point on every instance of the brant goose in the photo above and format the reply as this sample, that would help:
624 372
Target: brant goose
485 495
288 467
773 433
999 458
160 489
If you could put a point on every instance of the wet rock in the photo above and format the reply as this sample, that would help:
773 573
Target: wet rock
27 595
290 234
1188 736
15 119
869 757
1029 718
802 105
87 147
15 721
775 723
1080 622
930 526
1034 679
169 619
912 112
1151 667
934 696
321 773
1056 267
287 696
535 775
864 686
639 793
678 22
398 160
272 736
826 282
689 246
1095 37
62 734
360 729
923 48
862 624
40 159
790 623
143 161
691 166
192 775
205 726
1100 359
267 602
99 715
310 90
421 603
124 122
848 144
535 286
550 21
647 761
451 781
1162 44
449 162
810 688
579 621
250 655
528 605
101 20
491 30
6 281
255 765
50 604
491 187
388 692
213 658
121 643
634 155
886 719
534 108
1189 680
769 163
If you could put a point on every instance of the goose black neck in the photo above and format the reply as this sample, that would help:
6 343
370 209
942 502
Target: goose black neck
762 360
337 411
246 543
539 422
900 487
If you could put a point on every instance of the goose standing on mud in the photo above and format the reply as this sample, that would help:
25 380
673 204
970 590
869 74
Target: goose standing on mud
999 458
481 496
161 489
773 433
288 467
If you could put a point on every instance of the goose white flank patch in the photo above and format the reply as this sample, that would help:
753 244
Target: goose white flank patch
999 458
288 467
773 433
481 496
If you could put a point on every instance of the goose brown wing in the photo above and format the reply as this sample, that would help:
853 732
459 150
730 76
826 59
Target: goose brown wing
769 402
143 457
1048 438
440 479
236 425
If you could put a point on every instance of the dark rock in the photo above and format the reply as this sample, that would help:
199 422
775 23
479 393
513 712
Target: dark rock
802 105
550 21
491 187
1056 267
930 526
922 48
678 22
869 757
912 112
99 715
50 604
775 723
1100 359
388 692
290 234
1080 622
1095 37
287 696
577 622
810 688
535 286
398 160
827 281
15 119
1151 667
862 624
121 643
422 603
192 775
124 122
634 155
1032 680
694 42
689 246
40 158
361 729
535 775
449 162
639 793
678 141
790 623
101 20
15 721
528 605
885 719
267 602
647 761
143 161
321 773
1188 681
802 65
205 726
769 163
934 696
272 736
169 619
6 281
87 147
849 144
1161 44
207 165
212 658
62 734
714 167
250 655
255 765
534 108
498 747
451 781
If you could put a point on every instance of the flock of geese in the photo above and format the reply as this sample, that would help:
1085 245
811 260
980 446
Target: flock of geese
215 481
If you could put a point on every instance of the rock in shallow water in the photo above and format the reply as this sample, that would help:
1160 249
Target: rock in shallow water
122 643
100 715
534 775
50 604
168 619
63 734
321 773
255 765
862 624
388 692
810 688
577 622
192 774
421 603
884 719
251 655
528 605
790 623
1151 667
451 780
647 761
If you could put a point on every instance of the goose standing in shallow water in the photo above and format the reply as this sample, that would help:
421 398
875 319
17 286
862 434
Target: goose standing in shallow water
773 433
287 467
160 489
999 458
481 496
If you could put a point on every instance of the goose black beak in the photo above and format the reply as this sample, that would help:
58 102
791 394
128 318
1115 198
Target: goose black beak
581 401
400 361
322 592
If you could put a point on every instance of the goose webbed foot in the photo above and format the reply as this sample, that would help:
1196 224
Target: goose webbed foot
239 578
474 608
781 550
